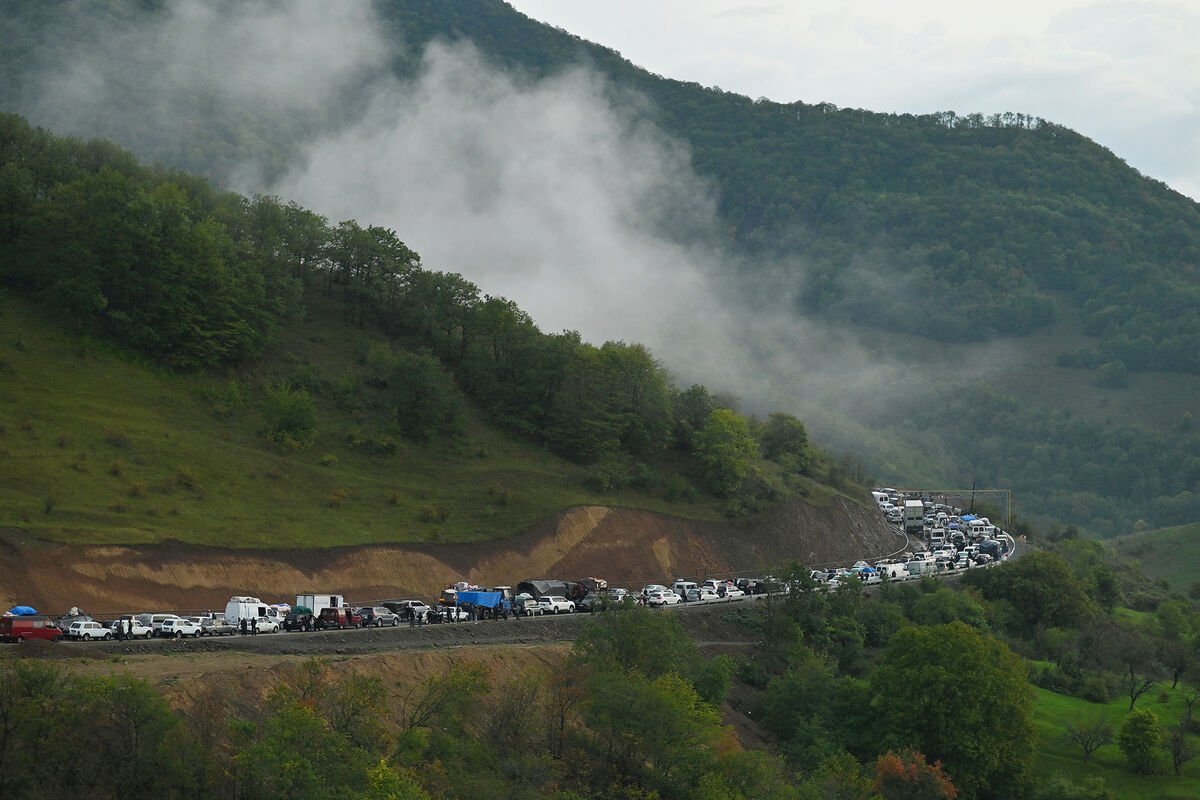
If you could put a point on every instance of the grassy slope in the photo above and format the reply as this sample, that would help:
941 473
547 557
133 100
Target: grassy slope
1058 755
96 448
1170 554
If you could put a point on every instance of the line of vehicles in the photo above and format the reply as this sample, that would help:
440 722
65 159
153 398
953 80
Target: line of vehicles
955 541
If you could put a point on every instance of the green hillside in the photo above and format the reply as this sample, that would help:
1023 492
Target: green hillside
1167 554
97 447
1039 299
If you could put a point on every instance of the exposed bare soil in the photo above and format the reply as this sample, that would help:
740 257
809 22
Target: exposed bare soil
625 546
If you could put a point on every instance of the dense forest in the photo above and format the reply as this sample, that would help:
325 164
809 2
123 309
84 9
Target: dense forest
916 691
955 227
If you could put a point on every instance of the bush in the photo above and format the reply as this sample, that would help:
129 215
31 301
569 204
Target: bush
679 490
1139 740
1095 690
1060 787
1113 375
290 416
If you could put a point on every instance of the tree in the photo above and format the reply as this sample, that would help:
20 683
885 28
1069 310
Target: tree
1090 735
1178 657
946 605
1139 740
784 440
1180 748
636 640
908 776
1128 652
982 729
424 397
1039 587
669 743
726 449
290 416
691 410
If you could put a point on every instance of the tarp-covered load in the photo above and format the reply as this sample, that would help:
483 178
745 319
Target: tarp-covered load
540 589
479 599
22 611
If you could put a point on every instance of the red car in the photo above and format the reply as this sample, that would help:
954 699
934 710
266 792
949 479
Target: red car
18 629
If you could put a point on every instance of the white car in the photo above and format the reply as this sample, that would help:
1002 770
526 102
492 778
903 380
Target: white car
663 597
87 630
705 593
556 604
179 627
133 629
730 591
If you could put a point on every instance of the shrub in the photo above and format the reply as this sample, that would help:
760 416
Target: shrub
328 460
433 513
137 489
336 498
116 437
1139 740
1095 690
290 416
678 489
1112 375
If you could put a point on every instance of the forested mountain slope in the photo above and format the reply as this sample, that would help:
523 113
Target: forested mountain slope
950 228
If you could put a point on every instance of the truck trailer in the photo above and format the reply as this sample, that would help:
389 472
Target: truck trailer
316 602
914 516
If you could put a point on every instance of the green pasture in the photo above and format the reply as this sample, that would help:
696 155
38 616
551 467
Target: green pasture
1058 755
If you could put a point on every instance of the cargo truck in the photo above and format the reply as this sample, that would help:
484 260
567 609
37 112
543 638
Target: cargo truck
914 516
317 602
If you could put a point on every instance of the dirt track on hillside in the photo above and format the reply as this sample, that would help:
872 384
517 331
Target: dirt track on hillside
625 546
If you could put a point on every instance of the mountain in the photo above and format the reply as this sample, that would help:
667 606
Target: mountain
1012 305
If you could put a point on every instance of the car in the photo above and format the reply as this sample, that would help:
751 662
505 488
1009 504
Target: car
416 610
556 604
730 591
702 593
155 621
131 628
298 621
592 602
178 628
527 607
88 630
338 618
378 616
450 614
21 628
663 597
215 626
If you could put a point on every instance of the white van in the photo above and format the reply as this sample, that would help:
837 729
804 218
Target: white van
681 587
880 498
251 608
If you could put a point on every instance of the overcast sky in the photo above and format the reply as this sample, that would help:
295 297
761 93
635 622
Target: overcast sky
1126 74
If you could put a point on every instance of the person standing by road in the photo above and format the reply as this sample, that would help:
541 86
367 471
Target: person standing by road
254 627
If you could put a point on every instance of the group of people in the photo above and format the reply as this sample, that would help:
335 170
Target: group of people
248 626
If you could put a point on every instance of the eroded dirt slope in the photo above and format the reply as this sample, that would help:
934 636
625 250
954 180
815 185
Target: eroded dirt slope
625 546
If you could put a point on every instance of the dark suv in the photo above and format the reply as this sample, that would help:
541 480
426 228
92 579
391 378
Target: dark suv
299 621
